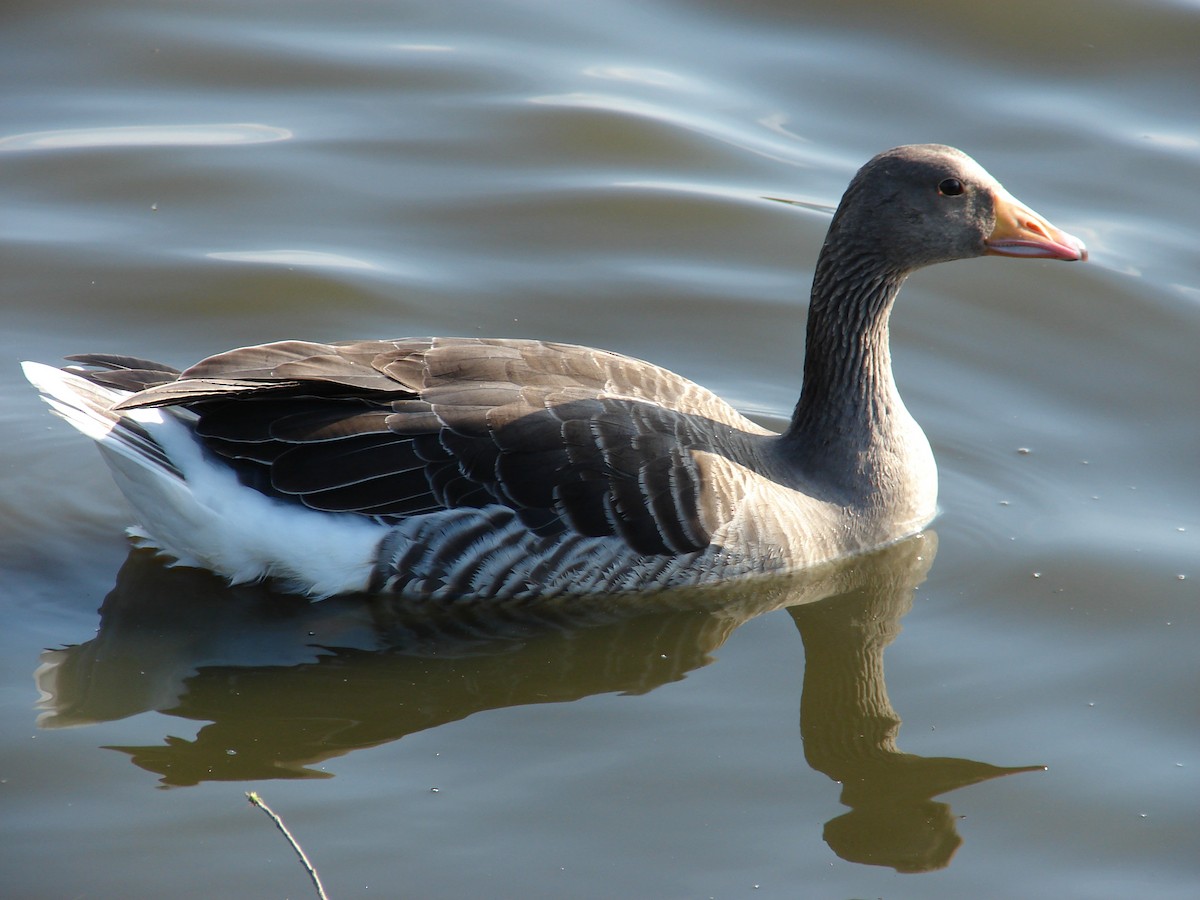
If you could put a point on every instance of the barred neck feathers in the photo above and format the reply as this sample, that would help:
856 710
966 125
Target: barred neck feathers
848 389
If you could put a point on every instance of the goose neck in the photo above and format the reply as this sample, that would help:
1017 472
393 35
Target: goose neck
848 390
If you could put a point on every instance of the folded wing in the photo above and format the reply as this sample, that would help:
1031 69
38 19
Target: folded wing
569 438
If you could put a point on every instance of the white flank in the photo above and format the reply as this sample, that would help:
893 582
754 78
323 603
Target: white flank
208 518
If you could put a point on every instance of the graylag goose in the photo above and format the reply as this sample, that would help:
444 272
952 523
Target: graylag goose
459 468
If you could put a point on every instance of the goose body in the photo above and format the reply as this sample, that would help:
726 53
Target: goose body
462 468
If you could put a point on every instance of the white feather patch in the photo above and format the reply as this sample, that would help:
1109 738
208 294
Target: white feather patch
208 518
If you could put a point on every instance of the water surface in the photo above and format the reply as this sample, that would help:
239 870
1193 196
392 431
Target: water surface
177 180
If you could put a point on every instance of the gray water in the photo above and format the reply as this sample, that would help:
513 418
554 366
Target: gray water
177 179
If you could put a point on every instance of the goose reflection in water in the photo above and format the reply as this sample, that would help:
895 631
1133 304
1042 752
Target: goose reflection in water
285 684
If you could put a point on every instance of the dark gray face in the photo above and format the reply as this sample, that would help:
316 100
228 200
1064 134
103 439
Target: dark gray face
918 205
927 203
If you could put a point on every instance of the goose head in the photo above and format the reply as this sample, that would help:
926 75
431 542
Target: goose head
922 204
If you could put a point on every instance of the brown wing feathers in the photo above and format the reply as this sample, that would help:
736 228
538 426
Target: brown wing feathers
392 429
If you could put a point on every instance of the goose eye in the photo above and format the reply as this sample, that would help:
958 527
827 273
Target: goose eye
950 187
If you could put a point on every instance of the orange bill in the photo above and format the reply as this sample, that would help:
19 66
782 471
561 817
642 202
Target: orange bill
1020 231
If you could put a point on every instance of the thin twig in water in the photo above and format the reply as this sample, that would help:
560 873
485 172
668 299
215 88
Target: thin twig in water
258 801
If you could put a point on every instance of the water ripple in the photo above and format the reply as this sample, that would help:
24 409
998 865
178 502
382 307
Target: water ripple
307 258
674 116
202 135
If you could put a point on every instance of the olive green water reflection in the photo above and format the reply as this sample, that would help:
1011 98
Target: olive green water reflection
285 684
